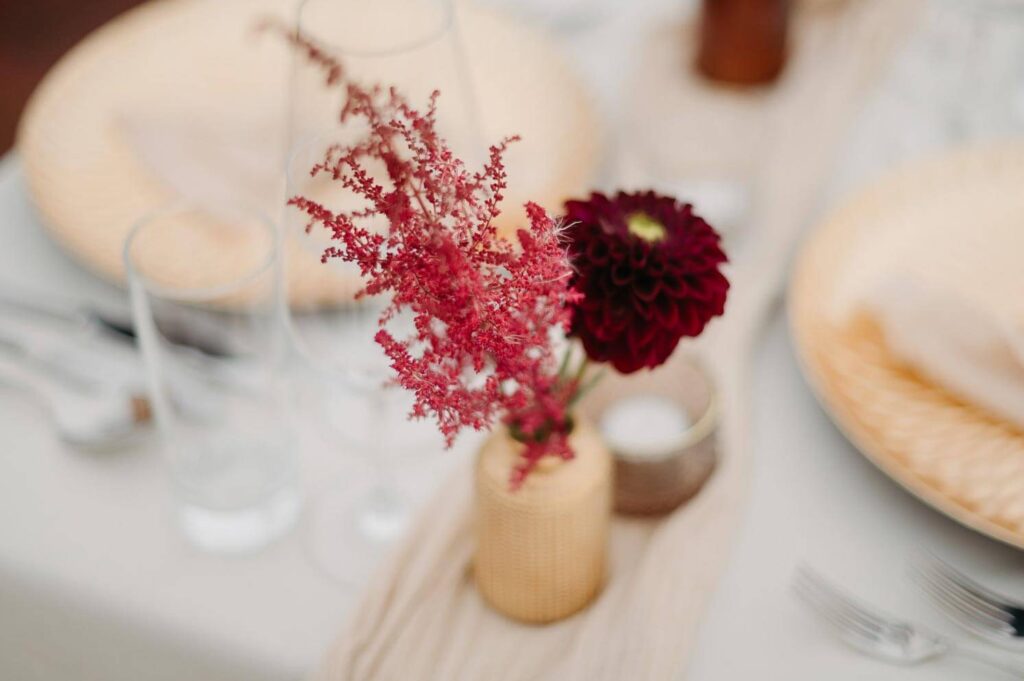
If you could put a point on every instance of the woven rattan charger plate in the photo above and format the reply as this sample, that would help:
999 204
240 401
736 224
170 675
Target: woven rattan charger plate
200 63
952 455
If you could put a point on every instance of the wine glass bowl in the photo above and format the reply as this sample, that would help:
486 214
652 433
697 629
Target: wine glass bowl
411 45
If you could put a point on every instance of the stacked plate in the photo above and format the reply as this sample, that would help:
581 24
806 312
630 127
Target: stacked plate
955 221
195 80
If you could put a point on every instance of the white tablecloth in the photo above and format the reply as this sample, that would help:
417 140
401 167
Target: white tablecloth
96 584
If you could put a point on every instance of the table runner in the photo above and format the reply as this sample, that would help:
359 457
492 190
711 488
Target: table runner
421 617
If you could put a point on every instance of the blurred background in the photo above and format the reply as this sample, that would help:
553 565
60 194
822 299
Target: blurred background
33 35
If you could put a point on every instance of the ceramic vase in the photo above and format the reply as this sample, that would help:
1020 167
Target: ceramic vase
542 547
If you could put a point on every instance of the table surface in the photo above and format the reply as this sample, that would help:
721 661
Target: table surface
88 554
96 582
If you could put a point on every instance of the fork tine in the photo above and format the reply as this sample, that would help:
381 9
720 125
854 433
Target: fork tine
853 630
839 601
827 596
977 591
948 583
960 611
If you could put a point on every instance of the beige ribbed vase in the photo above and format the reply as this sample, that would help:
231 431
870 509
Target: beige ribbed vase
541 549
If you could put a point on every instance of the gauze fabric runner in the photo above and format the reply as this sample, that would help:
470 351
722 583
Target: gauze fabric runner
421 617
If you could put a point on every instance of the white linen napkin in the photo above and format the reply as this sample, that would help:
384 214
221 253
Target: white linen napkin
974 353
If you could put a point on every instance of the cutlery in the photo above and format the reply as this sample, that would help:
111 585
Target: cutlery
89 357
978 610
82 316
111 323
880 636
86 415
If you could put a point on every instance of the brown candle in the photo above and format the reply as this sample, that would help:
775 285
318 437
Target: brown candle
743 41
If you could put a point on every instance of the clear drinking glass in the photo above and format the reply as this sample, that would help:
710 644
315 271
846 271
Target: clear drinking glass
414 46
212 336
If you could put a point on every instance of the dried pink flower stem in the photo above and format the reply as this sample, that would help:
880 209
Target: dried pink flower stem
484 308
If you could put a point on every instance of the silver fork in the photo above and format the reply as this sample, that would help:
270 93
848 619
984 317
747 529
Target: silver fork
978 610
881 636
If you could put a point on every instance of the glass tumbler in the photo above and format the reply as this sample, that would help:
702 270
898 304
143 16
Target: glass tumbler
206 298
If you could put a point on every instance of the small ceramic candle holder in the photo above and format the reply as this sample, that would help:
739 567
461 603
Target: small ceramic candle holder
660 426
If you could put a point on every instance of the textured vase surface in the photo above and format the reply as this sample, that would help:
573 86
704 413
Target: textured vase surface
542 548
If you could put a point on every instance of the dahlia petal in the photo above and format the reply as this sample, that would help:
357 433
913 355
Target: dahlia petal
655 267
639 255
597 252
646 310
642 294
645 286
675 285
665 311
622 274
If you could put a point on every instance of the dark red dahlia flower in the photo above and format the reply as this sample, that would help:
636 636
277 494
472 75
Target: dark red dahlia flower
649 272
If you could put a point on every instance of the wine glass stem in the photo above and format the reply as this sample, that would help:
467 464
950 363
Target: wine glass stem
384 516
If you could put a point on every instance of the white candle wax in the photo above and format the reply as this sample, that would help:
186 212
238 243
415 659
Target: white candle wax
644 425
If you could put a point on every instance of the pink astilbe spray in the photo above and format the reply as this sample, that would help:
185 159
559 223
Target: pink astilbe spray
484 307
